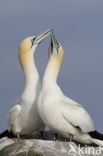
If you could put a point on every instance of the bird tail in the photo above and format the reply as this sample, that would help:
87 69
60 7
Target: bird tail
96 137
5 134
97 142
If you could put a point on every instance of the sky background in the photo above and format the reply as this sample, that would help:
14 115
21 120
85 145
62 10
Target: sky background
78 26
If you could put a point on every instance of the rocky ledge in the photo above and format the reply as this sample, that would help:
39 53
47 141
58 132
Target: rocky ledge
33 145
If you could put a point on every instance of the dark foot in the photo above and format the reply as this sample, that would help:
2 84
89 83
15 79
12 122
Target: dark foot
42 135
55 136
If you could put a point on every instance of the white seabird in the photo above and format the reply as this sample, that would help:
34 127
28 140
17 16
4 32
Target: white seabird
61 114
23 118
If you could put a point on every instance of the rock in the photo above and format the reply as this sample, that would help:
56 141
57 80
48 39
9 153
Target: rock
33 145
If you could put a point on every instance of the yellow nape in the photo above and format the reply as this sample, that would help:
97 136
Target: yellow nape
24 53
58 59
60 54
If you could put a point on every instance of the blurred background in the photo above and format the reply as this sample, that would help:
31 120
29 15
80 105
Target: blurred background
78 26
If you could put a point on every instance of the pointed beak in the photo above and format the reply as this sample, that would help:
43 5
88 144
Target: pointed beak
54 42
42 36
53 39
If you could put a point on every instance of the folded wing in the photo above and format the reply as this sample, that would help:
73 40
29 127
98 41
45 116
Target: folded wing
12 115
75 114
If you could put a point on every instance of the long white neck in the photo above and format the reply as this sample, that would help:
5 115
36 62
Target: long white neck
51 72
32 81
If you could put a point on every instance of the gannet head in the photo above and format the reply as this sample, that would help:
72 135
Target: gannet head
55 52
55 48
28 46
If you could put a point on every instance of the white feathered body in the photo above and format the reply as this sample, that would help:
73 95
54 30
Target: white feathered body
24 117
59 113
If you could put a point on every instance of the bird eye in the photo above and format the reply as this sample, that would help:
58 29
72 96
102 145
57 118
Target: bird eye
32 40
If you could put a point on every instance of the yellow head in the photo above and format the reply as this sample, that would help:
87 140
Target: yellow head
55 53
28 46
26 51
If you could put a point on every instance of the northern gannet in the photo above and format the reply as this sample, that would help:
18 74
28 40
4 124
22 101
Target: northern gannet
61 114
23 118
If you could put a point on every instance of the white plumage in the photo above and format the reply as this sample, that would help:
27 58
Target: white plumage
23 118
60 113
75 114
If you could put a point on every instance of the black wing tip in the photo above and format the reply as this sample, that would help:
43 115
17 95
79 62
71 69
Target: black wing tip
6 133
96 135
